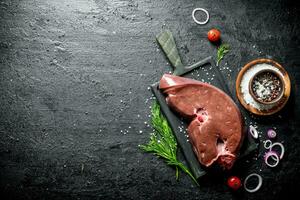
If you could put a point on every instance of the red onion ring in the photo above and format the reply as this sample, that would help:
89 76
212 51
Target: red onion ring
253 132
258 185
271 133
269 145
274 156
281 146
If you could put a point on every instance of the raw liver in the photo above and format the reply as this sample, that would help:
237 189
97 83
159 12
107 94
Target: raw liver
216 127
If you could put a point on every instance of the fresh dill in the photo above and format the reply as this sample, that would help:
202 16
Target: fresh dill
163 143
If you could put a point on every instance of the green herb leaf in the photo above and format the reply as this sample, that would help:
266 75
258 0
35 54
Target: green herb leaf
163 143
222 50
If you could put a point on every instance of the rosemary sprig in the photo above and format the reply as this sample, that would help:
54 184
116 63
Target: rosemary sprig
222 50
163 143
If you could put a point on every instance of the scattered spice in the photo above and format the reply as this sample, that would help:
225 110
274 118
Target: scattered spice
266 86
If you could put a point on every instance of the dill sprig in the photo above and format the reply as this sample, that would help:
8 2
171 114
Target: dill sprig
222 50
163 143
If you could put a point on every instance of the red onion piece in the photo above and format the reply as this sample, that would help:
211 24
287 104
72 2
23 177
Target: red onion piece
269 145
273 155
253 132
281 146
259 184
271 133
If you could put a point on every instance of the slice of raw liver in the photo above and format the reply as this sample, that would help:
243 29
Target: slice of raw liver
216 127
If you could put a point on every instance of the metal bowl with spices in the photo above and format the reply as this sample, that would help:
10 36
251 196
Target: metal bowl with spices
267 87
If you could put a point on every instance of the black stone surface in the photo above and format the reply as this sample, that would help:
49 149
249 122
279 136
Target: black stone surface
74 76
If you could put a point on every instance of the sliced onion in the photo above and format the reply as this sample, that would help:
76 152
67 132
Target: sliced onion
253 132
271 133
259 184
268 144
274 156
281 146
203 10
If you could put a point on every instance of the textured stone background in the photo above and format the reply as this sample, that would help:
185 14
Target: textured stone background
74 98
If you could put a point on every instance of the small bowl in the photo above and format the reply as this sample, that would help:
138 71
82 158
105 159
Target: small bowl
281 85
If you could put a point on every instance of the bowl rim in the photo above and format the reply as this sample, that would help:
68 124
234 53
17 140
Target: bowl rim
280 104
278 98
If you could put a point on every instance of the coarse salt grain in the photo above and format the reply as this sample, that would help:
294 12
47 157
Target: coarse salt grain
244 85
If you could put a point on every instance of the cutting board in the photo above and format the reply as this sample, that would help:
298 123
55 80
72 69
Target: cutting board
206 71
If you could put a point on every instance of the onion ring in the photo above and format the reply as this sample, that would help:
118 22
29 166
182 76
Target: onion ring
258 185
271 133
274 156
203 10
253 132
269 145
281 146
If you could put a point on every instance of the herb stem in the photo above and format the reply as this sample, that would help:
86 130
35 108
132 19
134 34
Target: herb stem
222 50
163 143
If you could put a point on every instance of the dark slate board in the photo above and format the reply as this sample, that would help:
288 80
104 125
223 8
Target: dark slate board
175 121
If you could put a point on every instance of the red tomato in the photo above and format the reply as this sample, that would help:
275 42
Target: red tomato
214 35
234 182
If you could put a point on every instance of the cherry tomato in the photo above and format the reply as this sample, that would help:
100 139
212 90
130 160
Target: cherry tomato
234 182
214 35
